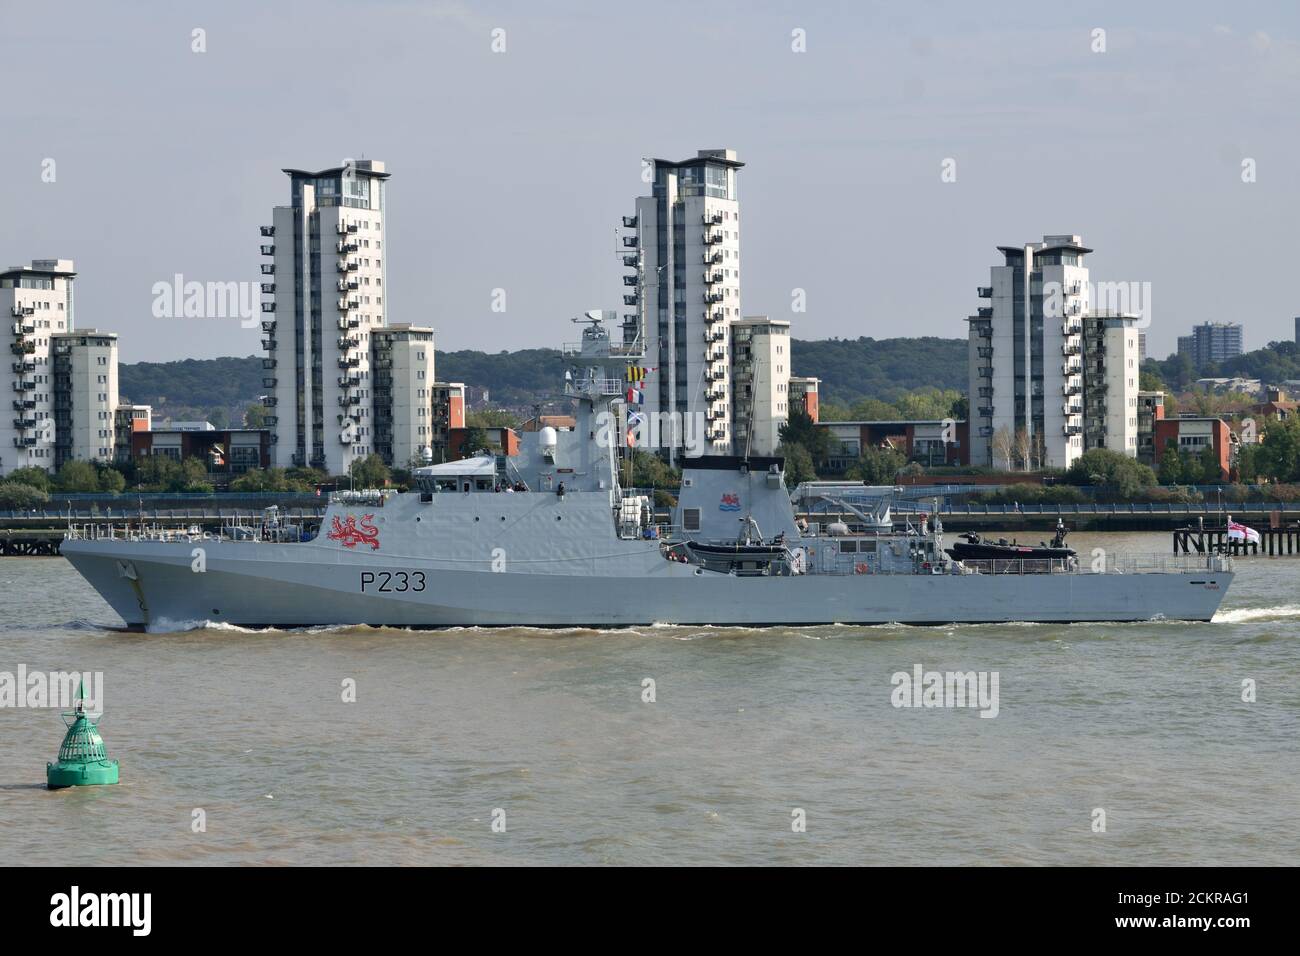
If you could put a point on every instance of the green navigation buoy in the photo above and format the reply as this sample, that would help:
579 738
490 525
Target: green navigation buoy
83 761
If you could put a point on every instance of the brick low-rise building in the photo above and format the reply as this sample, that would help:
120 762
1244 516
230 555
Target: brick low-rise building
231 451
1191 435
941 442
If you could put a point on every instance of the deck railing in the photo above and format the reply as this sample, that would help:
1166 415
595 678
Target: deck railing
1103 563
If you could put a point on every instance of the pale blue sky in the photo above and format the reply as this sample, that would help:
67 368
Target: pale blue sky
511 170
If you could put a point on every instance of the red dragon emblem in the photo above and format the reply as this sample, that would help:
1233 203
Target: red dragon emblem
350 534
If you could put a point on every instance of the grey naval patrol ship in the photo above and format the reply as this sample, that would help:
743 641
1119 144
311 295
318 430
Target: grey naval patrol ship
568 545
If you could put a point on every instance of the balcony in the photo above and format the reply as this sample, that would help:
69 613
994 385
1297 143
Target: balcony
270 401
1072 429
348 342
1071 368
629 242
268 288
984 291
1071 409
21 367
20 406
1071 348
984 371
24 442
985 411
349 381
22 348
19 311
713 219
268 250
344 248
716 393
24 423
712 277
346 400
985 312
268 268
712 297
630 280
268 325
712 258
986 391
345 324
271 420
349 362
712 238
268 345
630 300
629 222
986 431
268 306
984 332
268 363
269 382
24 328
985 351
717 335
24 386
267 231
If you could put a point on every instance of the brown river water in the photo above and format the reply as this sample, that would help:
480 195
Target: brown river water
547 732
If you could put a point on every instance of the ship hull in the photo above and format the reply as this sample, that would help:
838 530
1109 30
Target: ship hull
155 585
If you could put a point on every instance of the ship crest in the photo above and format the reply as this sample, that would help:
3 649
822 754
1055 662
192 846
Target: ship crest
350 533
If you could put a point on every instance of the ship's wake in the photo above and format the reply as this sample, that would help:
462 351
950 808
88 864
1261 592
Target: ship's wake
168 626
1246 615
